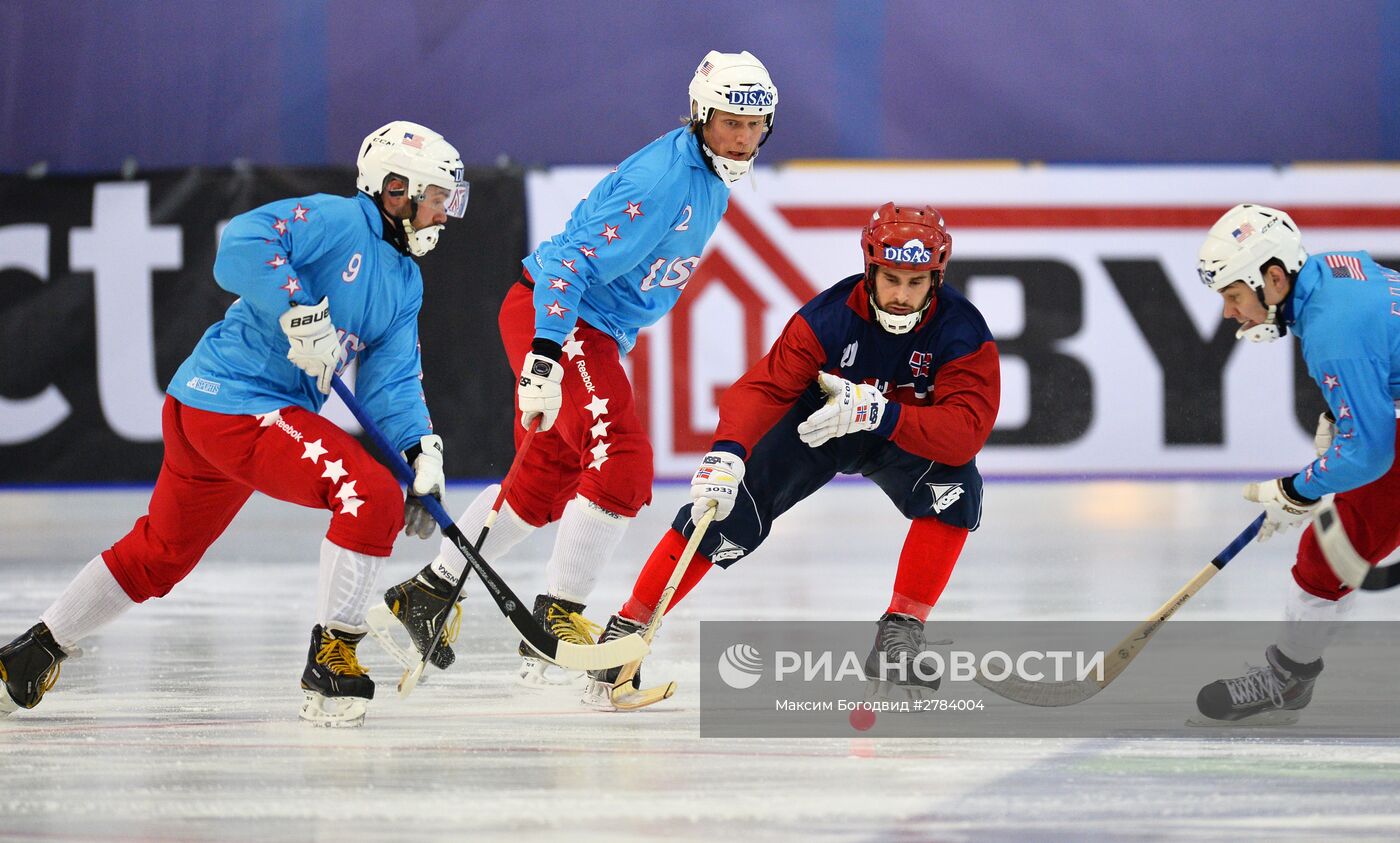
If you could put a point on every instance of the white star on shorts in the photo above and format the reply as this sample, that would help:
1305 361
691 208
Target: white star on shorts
335 470
351 506
313 451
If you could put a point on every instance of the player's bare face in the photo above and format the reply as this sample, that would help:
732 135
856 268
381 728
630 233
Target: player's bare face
734 136
902 291
1242 305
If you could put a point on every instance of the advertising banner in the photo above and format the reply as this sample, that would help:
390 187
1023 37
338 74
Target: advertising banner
1115 361
106 285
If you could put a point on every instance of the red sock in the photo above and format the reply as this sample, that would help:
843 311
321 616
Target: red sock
930 551
646 592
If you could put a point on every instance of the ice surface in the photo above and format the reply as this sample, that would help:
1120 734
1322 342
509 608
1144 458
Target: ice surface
179 722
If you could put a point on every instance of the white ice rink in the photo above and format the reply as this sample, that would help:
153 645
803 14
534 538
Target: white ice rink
180 721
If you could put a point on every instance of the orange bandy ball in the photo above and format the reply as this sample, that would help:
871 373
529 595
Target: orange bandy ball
862 719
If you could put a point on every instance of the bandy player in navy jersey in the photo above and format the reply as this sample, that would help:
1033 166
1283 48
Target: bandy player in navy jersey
890 374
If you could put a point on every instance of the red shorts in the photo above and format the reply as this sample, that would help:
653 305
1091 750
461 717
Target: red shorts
214 462
1371 516
597 447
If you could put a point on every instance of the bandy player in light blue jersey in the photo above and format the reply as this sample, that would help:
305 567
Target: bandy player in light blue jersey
620 264
1345 310
321 280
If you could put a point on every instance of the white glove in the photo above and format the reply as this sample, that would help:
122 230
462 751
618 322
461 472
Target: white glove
428 480
1281 512
1326 430
315 346
850 407
716 480
539 392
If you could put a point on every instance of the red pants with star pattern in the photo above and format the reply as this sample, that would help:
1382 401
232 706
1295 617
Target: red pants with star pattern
1371 516
597 447
214 462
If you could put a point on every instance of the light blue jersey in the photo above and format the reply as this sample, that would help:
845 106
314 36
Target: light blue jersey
1345 309
629 248
297 251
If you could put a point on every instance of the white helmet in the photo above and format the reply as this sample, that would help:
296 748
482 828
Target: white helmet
422 157
737 83
1239 245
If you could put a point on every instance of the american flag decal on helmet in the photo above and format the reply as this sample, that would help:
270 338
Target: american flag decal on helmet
706 68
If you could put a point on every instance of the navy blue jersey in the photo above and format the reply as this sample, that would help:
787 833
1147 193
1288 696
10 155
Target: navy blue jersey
942 378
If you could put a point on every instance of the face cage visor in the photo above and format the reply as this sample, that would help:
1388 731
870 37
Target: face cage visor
451 202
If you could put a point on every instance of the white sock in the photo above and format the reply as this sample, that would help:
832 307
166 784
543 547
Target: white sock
508 531
588 535
92 600
1309 624
346 585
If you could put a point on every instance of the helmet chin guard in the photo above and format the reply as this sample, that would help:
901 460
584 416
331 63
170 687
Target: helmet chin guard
420 241
899 323
1267 331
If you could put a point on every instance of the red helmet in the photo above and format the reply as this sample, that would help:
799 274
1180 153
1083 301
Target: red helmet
907 238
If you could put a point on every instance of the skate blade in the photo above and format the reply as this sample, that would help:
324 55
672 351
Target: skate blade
537 674
602 696
7 705
1279 717
333 712
625 700
381 623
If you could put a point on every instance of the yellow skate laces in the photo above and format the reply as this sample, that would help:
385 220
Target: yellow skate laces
50 678
454 625
571 627
339 656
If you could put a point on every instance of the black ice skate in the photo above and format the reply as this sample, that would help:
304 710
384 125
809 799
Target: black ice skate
1265 696
29 667
564 620
421 605
599 693
894 665
337 686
